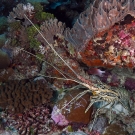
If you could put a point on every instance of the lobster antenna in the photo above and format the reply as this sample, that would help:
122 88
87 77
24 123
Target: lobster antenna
59 78
55 68
50 45
44 61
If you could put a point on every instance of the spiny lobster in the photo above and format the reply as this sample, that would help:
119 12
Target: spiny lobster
100 91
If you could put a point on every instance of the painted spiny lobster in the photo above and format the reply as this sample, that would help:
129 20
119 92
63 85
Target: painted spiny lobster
100 91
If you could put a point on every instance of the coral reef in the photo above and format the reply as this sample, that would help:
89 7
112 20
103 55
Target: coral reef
101 38
102 17
104 37
109 49
35 121
24 94
24 36
20 11
117 76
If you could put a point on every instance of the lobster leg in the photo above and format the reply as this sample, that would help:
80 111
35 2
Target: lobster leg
89 106
125 106
81 94
110 110
97 114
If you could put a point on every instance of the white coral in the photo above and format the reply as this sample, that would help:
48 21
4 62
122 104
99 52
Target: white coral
28 7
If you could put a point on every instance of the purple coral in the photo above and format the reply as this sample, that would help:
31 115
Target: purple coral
122 34
130 84
99 125
58 117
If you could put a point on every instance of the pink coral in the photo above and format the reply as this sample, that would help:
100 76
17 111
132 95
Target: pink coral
122 34
58 117
133 24
125 38
126 41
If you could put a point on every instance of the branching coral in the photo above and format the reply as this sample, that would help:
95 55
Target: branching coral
23 35
21 32
35 121
19 11
50 29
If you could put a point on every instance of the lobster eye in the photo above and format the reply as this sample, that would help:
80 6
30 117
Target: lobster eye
119 97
